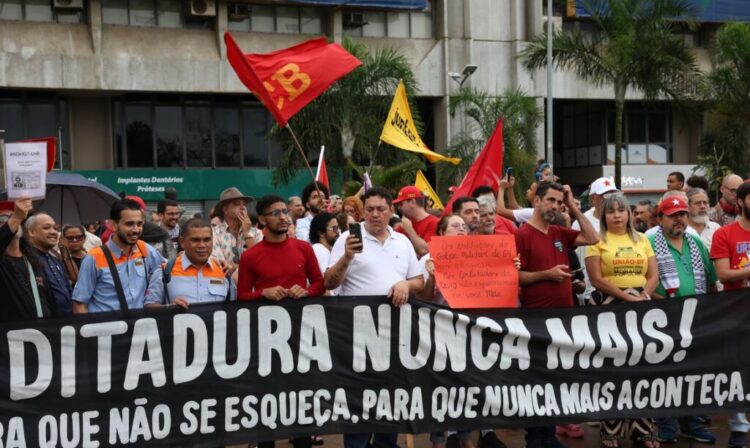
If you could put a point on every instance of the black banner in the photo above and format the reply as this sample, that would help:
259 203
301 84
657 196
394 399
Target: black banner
223 374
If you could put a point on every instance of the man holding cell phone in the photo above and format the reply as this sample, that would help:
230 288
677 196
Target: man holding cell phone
374 259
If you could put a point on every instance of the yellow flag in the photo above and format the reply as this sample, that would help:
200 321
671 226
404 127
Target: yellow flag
424 186
399 129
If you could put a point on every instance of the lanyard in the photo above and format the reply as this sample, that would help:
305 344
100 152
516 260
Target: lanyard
34 289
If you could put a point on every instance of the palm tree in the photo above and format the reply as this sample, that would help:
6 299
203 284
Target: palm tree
632 44
349 116
521 117
728 119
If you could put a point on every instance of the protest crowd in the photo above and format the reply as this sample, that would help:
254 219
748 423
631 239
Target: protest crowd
376 243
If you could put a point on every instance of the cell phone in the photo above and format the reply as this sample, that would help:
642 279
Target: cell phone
508 172
356 230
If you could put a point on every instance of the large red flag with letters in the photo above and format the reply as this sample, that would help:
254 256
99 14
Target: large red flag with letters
485 170
286 80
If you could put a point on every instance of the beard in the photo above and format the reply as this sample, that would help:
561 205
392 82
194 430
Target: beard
700 218
549 217
641 226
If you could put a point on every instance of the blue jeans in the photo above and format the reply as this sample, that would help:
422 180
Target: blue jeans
690 423
439 437
539 436
738 422
379 440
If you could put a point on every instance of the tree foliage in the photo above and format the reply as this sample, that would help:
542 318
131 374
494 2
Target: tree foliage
627 44
727 138
521 117
349 116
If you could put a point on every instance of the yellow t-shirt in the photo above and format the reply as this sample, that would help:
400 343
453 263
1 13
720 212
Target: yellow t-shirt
624 263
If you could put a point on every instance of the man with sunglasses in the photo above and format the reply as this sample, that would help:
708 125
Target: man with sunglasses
278 267
324 231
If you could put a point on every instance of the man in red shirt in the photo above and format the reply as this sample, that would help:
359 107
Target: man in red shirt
278 267
545 273
730 248
416 224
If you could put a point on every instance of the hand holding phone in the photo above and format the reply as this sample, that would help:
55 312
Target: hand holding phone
354 241
508 172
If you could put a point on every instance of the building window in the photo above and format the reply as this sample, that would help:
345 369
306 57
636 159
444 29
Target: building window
396 24
275 19
585 134
646 136
35 114
38 11
153 13
174 131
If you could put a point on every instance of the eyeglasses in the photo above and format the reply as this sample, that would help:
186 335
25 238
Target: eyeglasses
333 228
278 213
458 225
75 238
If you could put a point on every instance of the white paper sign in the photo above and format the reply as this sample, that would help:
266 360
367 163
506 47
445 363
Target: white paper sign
26 169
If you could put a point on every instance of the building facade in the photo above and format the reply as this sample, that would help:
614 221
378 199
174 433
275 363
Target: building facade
142 97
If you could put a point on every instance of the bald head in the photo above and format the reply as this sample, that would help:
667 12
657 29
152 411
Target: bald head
729 188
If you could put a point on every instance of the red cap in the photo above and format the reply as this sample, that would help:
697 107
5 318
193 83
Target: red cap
408 192
7 205
673 204
138 200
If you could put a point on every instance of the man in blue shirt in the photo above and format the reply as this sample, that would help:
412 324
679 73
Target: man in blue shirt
194 277
41 232
134 260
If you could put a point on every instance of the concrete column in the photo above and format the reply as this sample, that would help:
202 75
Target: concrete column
95 25
222 25
336 25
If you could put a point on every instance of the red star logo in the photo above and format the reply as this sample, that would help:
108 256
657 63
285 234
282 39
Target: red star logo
606 182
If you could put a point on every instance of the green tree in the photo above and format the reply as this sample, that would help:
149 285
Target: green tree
521 117
631 44
349 117
727 137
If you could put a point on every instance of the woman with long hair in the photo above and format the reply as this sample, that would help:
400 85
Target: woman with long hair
622 268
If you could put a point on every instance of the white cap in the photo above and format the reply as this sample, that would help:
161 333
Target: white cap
603 185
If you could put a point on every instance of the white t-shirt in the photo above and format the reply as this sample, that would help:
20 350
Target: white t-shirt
707 236
521 215
302 229
592 219
322 254
379 266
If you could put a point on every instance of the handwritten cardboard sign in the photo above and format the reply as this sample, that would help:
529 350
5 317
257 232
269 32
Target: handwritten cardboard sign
476 271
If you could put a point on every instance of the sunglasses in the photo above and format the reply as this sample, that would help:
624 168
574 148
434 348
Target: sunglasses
75 238
277 213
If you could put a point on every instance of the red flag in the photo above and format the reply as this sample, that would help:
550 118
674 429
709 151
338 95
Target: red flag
286 80
485 170
322 174
51 149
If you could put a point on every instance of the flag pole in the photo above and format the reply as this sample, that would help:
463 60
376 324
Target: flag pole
372 159
302 153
